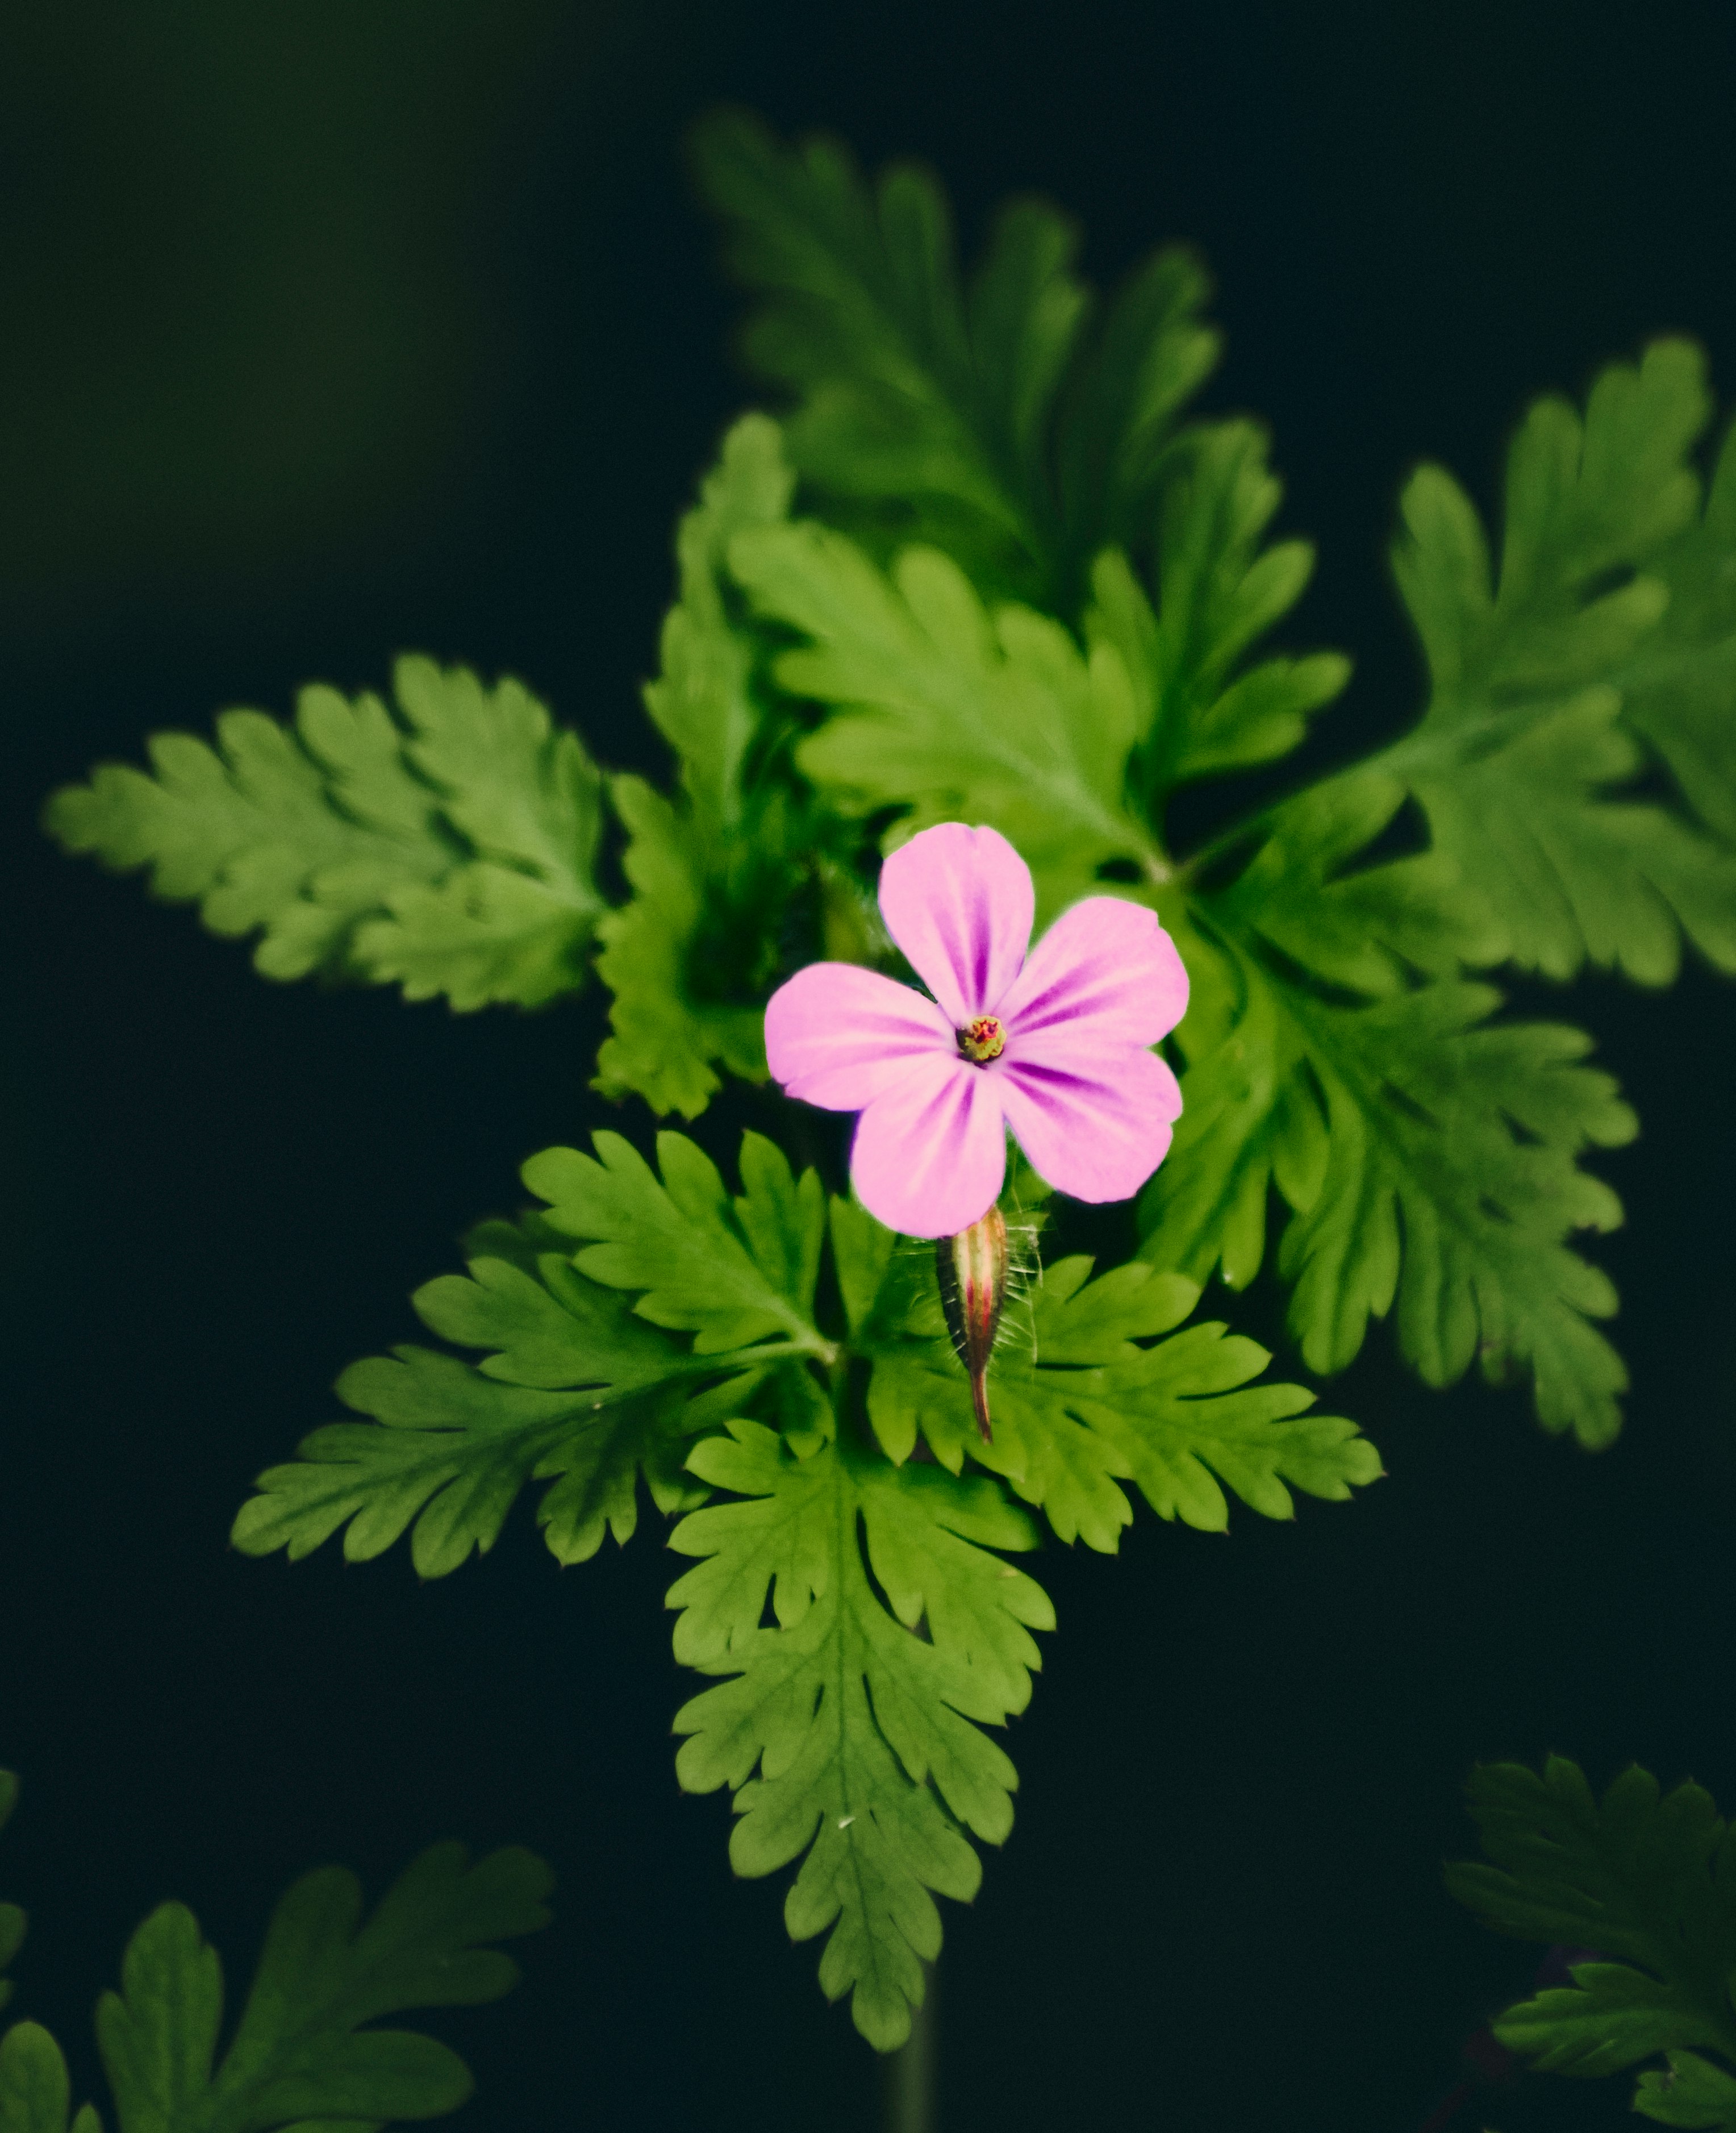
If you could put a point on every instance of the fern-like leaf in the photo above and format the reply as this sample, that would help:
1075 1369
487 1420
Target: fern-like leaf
849 1733
447 848
1642 1885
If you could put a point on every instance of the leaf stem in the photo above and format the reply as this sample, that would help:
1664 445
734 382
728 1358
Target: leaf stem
909 2072
823 1351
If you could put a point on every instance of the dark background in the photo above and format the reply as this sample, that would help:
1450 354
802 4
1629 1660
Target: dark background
334 331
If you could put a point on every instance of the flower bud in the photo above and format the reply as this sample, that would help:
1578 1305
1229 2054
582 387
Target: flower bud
971 1267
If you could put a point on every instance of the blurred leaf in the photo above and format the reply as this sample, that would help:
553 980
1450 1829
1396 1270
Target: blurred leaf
449 849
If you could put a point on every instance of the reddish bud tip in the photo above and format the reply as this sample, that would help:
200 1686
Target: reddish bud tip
972 1269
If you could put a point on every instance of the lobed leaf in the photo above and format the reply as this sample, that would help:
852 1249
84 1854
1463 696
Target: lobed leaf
1219 591
1640 1874
937 703
582 1387
448 848
988 417
690 955
1520 759
578 1392
850 1738
35 2091
731 1271
1428 1157
299 2052
1080 1403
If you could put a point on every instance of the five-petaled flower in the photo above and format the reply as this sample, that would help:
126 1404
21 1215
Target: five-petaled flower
1054 1044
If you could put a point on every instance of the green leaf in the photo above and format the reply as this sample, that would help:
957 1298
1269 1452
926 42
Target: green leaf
988 419
730 1271
936 702
1220 592
447 849
580 1395
1080 1401
1678 684
1640 1875
690 958
36 2092
578 1389
847 1734
663 1040
1693 2091
1428 1156
1519 760
299 2052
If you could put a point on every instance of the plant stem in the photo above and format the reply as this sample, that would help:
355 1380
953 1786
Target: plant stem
909 2073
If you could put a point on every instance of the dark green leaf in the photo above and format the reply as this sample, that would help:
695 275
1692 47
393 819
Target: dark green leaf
1644 1877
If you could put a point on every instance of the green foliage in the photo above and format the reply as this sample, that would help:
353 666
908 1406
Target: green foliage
302 2055
691 1335
1424 1156
992 419
941 705
691 957
857 1722
582 1387
1027 591
1646 1880
1080 1403
1428 1155
447 849
1524 736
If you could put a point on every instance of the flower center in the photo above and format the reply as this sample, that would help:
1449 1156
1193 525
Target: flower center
984 1039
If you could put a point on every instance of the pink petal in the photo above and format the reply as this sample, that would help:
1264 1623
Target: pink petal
1105 970
959 902
838 1036
1096 1130
930 1154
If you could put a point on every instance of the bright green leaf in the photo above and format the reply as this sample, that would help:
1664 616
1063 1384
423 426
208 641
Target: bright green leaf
969 716
846 1733
579 1393
1080 1401
583 1387
731 1271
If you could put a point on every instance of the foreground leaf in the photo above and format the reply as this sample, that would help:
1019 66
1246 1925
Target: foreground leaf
847 1734
584 1387
1080 1403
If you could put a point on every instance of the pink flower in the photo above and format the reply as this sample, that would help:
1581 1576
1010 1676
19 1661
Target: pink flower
1053 1046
